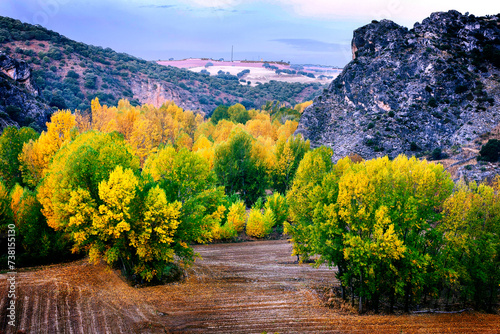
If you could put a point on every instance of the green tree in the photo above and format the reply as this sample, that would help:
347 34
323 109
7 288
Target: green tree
84 164
278 205
38 242
471 243
5 211
490 151
220 113
239 170
289 152
11 145
238 113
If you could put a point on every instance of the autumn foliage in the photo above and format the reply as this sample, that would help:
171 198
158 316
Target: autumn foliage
393 231
137 186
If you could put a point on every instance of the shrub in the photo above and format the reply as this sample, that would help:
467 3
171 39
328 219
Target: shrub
414 146
278 205
236 216
490 151
260 225
432 102
436 153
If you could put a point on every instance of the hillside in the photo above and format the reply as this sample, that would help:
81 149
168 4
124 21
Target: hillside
70 74
412 91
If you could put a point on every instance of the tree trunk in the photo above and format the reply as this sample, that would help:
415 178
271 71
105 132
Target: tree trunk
391 302
376 299
407 297
360 310
352 292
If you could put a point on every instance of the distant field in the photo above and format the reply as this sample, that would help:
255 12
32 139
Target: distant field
258 73
250 287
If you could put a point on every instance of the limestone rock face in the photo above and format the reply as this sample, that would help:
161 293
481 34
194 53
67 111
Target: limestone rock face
157 93
411 90
19 102
18 71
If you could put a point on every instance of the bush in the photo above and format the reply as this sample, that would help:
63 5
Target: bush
278 205
437 153
414 146
236 216
72 74
490 151
260 225
432 102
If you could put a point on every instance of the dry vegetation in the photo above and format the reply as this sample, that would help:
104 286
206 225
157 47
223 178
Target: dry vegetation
250 287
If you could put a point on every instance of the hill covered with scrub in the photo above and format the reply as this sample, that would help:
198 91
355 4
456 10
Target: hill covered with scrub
69 74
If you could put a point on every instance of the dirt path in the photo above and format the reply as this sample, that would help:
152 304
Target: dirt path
237 288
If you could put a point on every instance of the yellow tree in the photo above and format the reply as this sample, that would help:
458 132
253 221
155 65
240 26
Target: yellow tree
145 138
236 216
261 126
286 130
103 118
132 229
471 243
223 131
373 220
36 155
187 178
126 117
202 143
302 106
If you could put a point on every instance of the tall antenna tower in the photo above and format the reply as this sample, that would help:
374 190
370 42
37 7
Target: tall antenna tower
232 47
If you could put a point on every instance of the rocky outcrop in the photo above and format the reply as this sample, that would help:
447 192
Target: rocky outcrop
19 104
18 71
411 90
157 93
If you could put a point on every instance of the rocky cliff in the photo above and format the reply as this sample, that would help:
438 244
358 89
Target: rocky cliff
19 104
412 91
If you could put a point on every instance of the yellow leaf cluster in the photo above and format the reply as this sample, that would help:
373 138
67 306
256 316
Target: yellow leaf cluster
260 225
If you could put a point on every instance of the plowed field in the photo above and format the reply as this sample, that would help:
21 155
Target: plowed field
236 288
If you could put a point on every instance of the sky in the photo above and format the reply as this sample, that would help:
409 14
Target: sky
298 31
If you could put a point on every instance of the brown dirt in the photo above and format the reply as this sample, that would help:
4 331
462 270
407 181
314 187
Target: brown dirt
248 287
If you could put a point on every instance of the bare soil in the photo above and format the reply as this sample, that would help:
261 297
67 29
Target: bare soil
249 287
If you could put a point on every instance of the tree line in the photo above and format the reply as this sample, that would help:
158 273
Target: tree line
137 186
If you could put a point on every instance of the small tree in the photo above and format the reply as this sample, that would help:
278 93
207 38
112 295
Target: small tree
260 225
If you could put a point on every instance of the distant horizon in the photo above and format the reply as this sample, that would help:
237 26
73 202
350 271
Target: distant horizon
316 32
244 60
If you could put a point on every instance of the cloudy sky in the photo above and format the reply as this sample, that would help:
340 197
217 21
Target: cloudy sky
299 31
